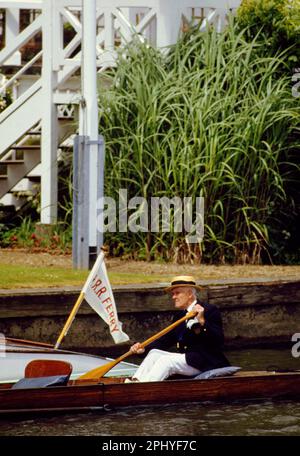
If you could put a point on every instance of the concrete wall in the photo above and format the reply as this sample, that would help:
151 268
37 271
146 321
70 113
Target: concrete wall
260 312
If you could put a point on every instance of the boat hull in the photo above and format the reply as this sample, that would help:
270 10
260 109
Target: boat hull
116 393
16 354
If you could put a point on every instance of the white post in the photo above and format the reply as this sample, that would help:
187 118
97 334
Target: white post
49 121
168 22
89 116
12 26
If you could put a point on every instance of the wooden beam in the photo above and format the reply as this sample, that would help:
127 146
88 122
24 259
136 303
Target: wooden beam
22 4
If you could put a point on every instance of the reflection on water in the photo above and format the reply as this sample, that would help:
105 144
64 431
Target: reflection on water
267 418
247 419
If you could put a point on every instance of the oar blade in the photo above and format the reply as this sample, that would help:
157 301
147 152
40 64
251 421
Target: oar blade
98 372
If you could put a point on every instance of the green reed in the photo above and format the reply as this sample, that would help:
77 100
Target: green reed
209 118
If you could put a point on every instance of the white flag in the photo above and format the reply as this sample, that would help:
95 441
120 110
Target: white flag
98 294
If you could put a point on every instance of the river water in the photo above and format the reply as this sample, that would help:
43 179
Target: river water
257 418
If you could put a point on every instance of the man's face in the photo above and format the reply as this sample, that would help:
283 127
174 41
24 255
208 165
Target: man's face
182 297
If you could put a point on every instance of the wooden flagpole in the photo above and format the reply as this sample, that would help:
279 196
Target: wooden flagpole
69 320
79 300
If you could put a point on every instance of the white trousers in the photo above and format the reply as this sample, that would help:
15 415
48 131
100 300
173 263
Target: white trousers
159 365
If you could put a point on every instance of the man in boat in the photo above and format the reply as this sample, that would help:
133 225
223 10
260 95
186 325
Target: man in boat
198 340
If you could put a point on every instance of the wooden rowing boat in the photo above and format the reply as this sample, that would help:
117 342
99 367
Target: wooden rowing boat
83 395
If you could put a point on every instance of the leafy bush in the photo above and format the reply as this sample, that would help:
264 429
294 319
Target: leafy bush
4 102
27 235
276 23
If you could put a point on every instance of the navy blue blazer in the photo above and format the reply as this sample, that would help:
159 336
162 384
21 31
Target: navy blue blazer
202 345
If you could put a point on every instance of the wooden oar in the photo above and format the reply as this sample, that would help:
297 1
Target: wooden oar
99 372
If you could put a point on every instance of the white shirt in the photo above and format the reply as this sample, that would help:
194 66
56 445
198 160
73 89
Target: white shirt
192 321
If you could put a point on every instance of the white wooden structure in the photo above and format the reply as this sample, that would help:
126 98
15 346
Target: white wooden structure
42 100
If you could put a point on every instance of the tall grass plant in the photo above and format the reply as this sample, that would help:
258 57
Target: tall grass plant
208 118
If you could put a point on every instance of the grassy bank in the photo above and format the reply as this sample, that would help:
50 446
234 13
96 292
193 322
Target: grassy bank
12 276
21 269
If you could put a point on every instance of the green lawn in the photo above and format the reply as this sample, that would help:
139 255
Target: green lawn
28 270
17 276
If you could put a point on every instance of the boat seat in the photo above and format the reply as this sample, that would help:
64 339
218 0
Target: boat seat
47 367
218 372
212 373
41 373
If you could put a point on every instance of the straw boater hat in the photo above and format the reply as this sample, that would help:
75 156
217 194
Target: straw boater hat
183 281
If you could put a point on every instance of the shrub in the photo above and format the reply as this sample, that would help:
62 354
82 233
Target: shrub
276 23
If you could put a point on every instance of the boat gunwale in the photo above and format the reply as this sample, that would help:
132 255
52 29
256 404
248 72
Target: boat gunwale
112 381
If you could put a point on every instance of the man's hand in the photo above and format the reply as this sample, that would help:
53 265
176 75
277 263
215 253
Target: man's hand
137 349
200 313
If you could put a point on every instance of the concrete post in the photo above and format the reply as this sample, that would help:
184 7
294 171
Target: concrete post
81 221
80 225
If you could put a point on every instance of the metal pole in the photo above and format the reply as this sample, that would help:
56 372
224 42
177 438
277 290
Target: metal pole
80 231
81 173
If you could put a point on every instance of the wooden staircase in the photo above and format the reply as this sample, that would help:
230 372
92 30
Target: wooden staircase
13 170
19 171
